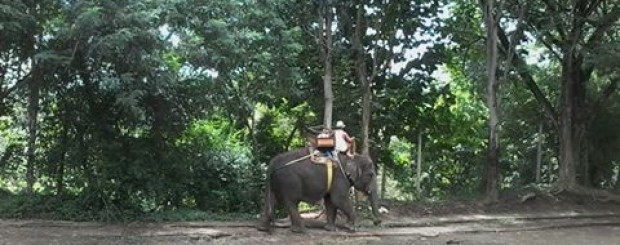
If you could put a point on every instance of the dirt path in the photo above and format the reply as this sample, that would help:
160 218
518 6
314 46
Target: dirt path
553 228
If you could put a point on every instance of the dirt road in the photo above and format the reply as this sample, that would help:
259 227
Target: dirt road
555 228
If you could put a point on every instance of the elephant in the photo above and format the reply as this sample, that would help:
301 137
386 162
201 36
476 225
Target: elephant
293 177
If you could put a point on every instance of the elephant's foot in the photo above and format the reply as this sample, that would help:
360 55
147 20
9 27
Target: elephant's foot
263 228
264 225
330 227
377 221
298 229
349 228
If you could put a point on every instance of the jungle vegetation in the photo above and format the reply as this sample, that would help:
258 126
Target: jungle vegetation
115 108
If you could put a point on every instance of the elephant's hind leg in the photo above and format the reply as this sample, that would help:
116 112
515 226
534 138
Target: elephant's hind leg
296 222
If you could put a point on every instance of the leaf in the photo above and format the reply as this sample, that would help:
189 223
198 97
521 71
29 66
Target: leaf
130 100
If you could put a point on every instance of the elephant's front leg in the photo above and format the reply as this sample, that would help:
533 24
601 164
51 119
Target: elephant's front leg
343 203
330 212
296 222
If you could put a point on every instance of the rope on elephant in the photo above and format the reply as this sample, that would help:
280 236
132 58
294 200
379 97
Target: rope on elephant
297 160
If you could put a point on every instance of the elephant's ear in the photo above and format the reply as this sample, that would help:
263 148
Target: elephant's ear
353 169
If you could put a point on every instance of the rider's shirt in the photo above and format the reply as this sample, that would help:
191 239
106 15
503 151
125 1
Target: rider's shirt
341 144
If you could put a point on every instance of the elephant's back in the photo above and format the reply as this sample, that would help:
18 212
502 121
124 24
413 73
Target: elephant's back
295 177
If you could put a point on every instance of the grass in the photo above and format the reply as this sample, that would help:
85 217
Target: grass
194 215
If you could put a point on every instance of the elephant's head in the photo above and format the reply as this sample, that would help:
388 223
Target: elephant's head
361 170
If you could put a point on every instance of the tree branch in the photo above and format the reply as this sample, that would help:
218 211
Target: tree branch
375 58
314 36
603 25
386 63
591 6
516 36
291 135
549 47
17 85
554 8
383 34
527 77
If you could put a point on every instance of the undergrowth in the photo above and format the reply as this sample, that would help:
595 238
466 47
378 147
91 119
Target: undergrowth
73 208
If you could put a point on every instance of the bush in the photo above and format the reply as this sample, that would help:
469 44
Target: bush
226 182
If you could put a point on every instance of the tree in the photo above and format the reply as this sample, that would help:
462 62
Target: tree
25 57
19 30
380 55
490 179
375 30
572 35
326 43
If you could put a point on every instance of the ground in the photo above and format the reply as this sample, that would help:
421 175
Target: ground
538 220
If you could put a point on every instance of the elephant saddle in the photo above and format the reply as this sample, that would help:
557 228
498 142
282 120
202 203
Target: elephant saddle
325 140
321 139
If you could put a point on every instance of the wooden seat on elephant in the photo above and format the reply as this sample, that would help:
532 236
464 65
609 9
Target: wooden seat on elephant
320 139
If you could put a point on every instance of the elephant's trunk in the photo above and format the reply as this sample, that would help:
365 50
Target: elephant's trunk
374 200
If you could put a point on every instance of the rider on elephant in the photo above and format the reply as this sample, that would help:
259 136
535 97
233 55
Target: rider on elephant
331 142
342 139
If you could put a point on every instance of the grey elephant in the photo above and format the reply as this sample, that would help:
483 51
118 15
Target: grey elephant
293 177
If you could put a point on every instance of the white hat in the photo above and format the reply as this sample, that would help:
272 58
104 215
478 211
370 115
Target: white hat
340 124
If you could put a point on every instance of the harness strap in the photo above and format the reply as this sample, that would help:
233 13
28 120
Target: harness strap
343 172
329 166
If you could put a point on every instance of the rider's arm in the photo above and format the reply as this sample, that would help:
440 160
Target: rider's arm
347 138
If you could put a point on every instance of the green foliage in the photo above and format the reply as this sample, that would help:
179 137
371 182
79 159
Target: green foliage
171 109
279 130
25 206
452 154
223 175
603 149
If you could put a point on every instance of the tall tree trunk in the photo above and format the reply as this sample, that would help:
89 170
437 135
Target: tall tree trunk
539 153
366 111
570 125
362 74
328 93
383 181
587 176
490 178
418 183
361 68
325 41
33 110
60 171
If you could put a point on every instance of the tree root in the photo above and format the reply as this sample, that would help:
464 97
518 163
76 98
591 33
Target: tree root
528 196
596 194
